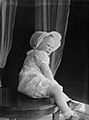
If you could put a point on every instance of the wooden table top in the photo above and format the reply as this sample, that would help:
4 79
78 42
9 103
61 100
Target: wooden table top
15 104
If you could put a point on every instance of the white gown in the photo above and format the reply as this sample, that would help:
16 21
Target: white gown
31 80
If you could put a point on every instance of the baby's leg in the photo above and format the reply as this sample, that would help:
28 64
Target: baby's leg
66 97
58 95
61 88
59 98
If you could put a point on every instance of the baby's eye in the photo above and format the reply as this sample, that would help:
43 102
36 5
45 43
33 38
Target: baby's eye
50 46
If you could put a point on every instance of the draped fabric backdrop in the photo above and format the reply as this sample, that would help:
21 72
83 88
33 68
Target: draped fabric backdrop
52 15
7 17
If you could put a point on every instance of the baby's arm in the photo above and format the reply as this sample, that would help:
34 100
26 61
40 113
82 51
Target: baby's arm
43 64
46 71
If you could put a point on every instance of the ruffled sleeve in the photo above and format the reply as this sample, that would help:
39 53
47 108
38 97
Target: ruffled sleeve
28 59
41 57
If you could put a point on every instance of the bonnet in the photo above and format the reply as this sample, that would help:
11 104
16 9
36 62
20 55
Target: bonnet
38 37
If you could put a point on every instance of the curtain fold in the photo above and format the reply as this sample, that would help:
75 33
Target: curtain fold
7 18
52 15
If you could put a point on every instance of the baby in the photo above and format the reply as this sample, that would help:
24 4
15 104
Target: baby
36 79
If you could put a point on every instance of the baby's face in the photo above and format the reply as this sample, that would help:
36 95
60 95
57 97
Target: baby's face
47 44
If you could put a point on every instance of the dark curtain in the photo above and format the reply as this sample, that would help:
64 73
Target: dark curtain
7 18
24 27
73 71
